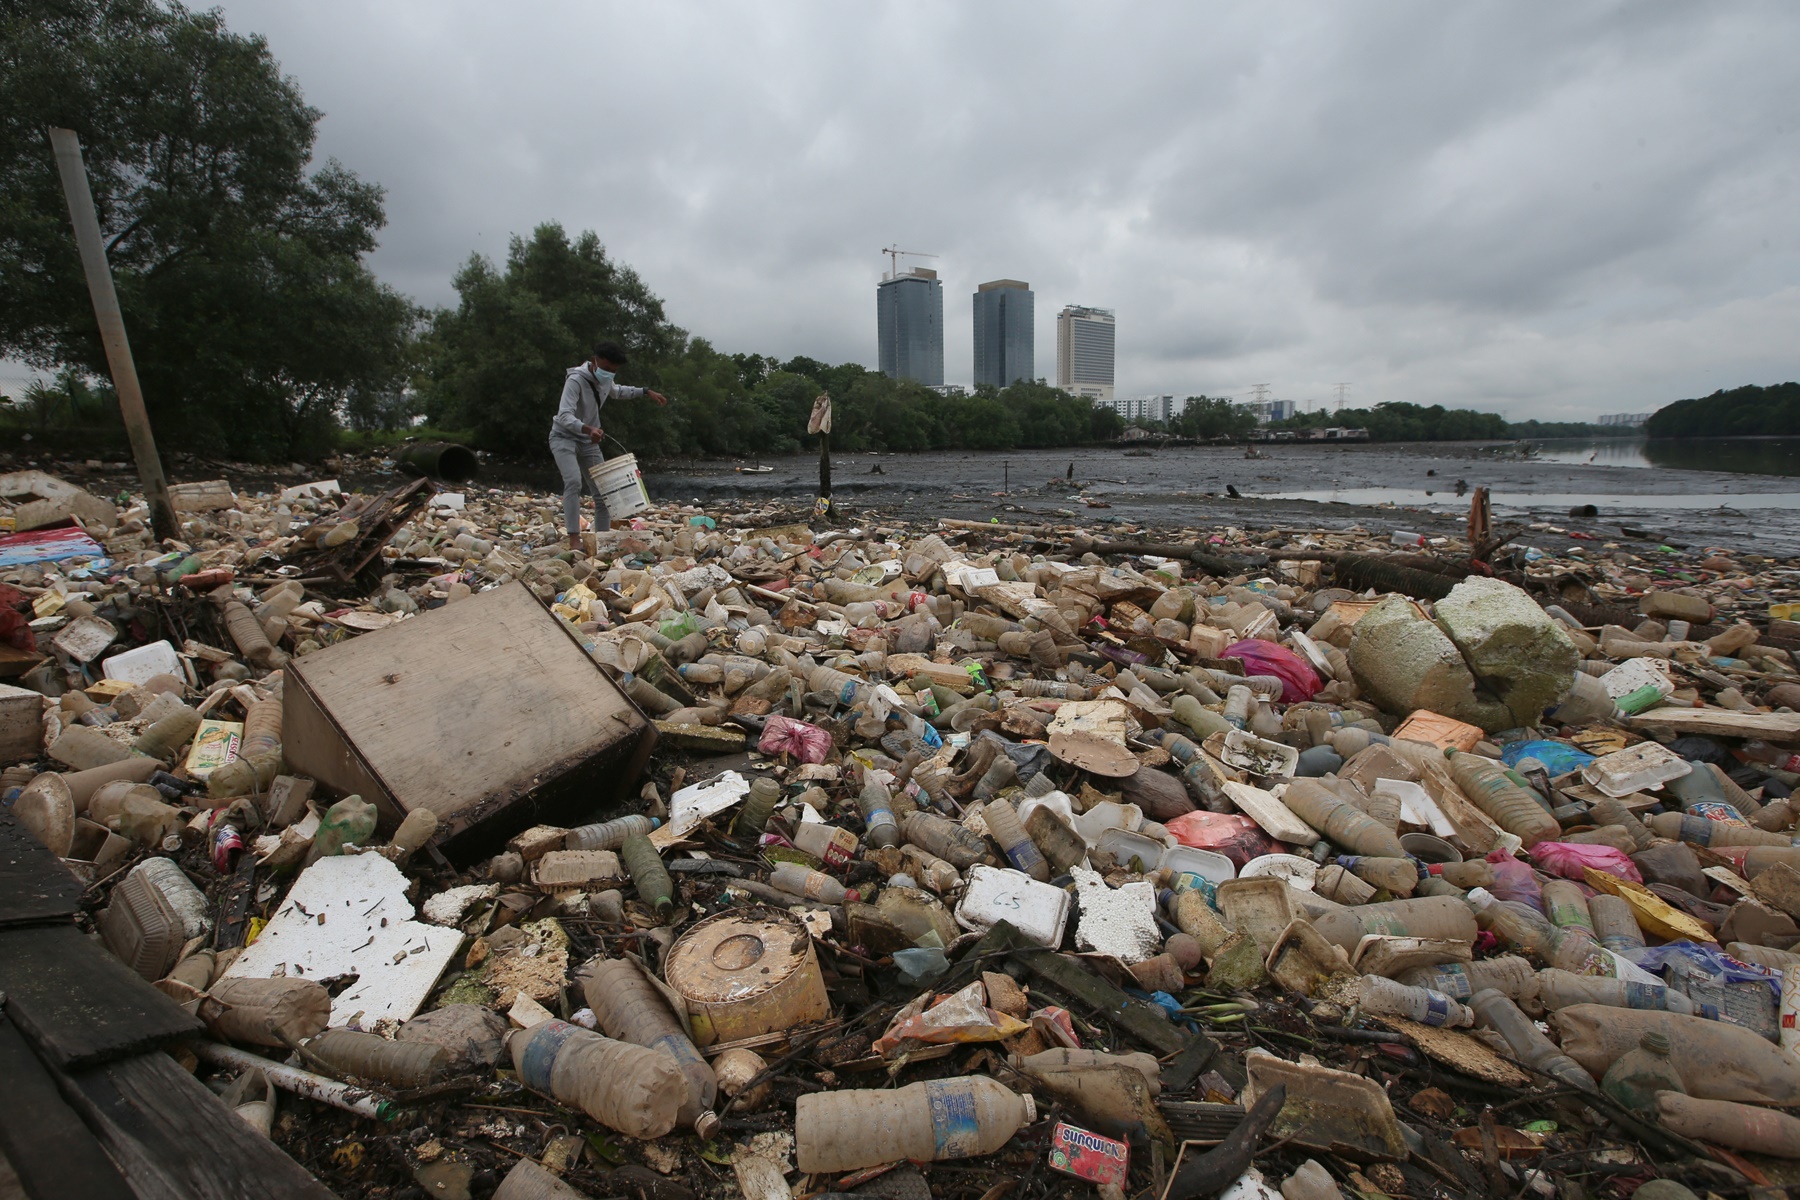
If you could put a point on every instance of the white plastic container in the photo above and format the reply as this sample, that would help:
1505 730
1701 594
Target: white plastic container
142 664
1108 814
621 486
1247 752
1299 872
1635 673
1125 846
1037 910
1210 866
1642 768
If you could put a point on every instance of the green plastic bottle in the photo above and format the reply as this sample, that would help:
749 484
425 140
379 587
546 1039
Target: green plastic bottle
351 821
1639 1074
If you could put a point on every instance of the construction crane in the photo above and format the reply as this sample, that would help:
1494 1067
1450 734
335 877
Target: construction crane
894 253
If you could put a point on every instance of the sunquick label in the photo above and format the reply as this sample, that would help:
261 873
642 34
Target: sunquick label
838 850
954 1129
541 1051
1089 1156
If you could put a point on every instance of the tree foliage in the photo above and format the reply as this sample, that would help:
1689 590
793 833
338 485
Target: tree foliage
239 266
1397 421
1741 412
1212 417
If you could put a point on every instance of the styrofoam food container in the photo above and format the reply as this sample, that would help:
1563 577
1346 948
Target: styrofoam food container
1037 910
142 664
1207 864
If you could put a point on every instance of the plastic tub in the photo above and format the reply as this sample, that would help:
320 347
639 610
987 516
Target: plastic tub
142 664
621 486
1296 870
1214 868
1037 910
1125 846
1429 849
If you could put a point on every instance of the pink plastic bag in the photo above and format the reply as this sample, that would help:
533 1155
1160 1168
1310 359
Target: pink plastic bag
807 743
1515 880
1298 680
1566 859
1236 837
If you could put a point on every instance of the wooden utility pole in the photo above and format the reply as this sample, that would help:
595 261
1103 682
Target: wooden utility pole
112 330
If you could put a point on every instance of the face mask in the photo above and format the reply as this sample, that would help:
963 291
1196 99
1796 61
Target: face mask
602 376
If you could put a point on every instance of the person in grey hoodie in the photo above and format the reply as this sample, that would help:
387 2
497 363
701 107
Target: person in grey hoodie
575 432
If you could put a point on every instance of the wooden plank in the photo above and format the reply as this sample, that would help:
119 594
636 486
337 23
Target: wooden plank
78 1004
1133 1017
1723 722
34 885
51 1151
488 697
177 1141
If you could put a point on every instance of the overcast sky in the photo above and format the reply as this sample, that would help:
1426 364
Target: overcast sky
1553 211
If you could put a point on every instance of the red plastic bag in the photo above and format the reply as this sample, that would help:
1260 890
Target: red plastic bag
1566 859
1235 836
807 743
1298 680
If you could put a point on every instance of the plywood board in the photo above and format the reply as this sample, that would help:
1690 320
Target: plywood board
1723 722
462 710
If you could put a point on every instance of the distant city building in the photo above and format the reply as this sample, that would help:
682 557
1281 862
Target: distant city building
1084 351
1632 419
1144 408
909 313
1267 411
1005 341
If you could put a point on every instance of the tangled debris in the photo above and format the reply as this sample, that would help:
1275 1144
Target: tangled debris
975 859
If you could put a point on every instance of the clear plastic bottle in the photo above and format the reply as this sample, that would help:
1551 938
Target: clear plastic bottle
1316 804
251 641
1003 823
1197 717
1515 809
349 822
1605 810
1637 1075
629 1007
1559 989
1704 831
1500 1014
753 817
609 835
1381 995
1523 927
1615 925
847 690
1586 701
1567 907
648 874
800 880
398 1064
1508 974
1421 916
85 749
951 842
1398 876
1478 873
880 829
1238 703
417 829
940 1119
930 870
633 1089
1780 758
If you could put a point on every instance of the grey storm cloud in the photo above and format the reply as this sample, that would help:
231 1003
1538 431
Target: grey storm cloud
1553 211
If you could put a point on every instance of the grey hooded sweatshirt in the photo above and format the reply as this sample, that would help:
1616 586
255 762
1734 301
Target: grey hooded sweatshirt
584 394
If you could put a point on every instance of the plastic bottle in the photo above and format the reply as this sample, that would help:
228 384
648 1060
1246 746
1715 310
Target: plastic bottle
1615 925
629 1007
801 880
251 641
633 1089
1637 1075
1478 873
1605 810
1703 831
940 1119
1508 974
1773 756
1559 989
1522 926
1567 907
415 830
1531 1047
1197 774
351 821
85 749
1397 875
409 1064
880 830
1381 995
831 845
1316 804
1421 916
648 874
930 870
1197 717
1727 1123
753 817
609 835
951 842
168 735
1515 809
1238 702
847 690
1003 823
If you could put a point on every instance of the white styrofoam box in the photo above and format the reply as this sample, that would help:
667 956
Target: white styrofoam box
1207 864
1037 910
142 664
1635 673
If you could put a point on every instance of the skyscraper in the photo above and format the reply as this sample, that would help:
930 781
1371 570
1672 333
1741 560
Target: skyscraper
1084 351
909 311
1005 343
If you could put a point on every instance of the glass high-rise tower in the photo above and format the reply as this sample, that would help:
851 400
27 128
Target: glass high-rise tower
1005 344
909 313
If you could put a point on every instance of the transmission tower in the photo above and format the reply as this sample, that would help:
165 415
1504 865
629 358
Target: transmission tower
1260 391
1342 390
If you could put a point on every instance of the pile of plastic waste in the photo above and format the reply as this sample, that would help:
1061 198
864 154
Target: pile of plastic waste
1174 862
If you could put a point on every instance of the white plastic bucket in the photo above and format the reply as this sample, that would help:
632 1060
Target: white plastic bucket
621 486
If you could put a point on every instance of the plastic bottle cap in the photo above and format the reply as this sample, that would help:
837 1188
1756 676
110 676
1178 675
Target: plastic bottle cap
656 822
852 896
1030 1107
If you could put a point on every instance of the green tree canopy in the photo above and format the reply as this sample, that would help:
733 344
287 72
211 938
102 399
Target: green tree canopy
1398 421
238 264
1741 412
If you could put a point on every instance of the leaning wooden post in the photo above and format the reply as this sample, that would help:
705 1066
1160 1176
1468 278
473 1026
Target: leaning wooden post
820 423
112 330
